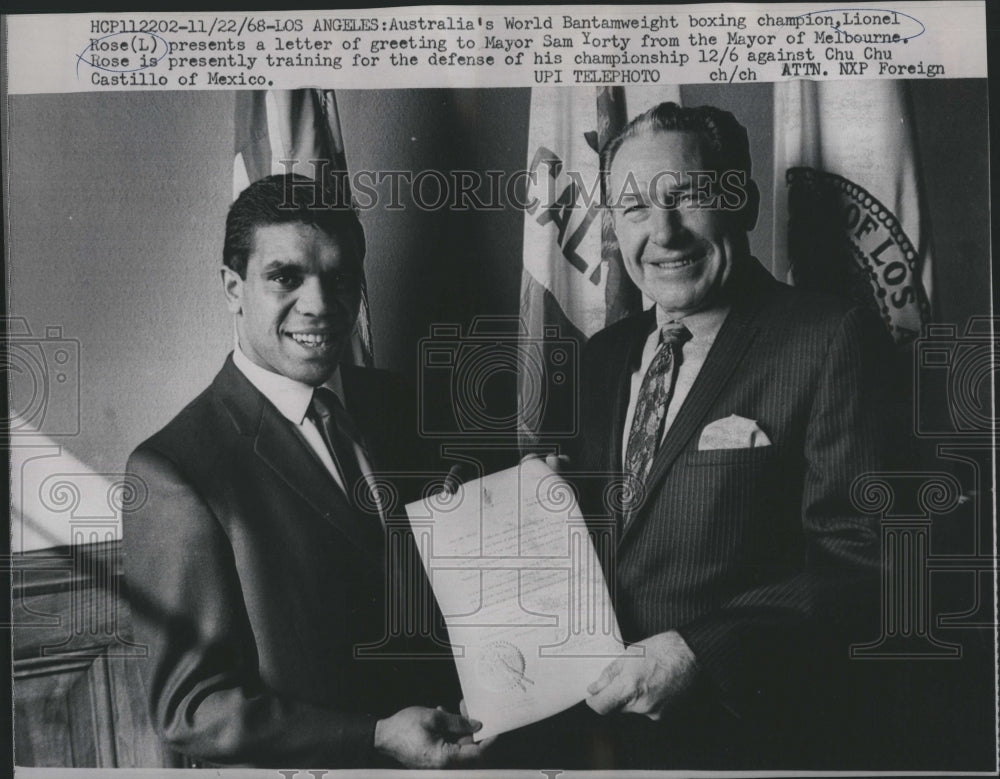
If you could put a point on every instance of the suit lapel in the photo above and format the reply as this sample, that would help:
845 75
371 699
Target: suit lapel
723 359
625 362
289 456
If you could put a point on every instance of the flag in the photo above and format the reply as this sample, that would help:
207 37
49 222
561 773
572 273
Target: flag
573 282
849 216
296 131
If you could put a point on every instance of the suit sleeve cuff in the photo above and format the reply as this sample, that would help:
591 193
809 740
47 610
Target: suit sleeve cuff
717 659
362 732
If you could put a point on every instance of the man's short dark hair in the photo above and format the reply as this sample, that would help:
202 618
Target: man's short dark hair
284 199
724 141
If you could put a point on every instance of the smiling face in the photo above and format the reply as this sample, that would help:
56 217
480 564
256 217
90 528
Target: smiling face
296 307
677 249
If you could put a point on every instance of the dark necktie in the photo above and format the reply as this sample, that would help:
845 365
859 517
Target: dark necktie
340 436
651 406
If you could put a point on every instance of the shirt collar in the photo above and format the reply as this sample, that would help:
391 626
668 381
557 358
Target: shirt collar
702 324
290 397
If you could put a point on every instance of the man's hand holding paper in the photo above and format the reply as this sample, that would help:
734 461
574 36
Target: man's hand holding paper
647 680
523 593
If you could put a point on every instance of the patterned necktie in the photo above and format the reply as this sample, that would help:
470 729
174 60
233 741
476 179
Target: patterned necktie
338 433
651 406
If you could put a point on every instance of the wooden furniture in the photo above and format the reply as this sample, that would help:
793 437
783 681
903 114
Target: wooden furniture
79 698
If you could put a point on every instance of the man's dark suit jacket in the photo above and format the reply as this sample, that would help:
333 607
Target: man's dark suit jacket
755 556
254 580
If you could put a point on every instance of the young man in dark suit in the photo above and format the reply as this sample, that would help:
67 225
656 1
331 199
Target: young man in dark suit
740 411
258 559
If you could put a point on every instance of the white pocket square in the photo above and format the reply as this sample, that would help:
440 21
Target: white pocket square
732 432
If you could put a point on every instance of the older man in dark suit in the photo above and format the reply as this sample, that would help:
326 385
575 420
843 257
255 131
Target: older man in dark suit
259 555
740 410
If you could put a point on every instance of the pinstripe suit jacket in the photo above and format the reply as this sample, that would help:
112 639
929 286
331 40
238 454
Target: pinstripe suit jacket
755 556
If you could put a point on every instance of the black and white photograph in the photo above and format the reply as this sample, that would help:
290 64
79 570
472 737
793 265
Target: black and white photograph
628 409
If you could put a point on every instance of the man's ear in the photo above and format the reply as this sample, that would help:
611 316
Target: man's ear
232 286
750 212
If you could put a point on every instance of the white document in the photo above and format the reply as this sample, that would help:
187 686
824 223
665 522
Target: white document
522 591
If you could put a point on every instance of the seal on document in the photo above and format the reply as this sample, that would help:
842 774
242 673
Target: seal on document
500 667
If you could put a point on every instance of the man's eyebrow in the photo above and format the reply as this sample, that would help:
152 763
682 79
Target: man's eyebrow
281 265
